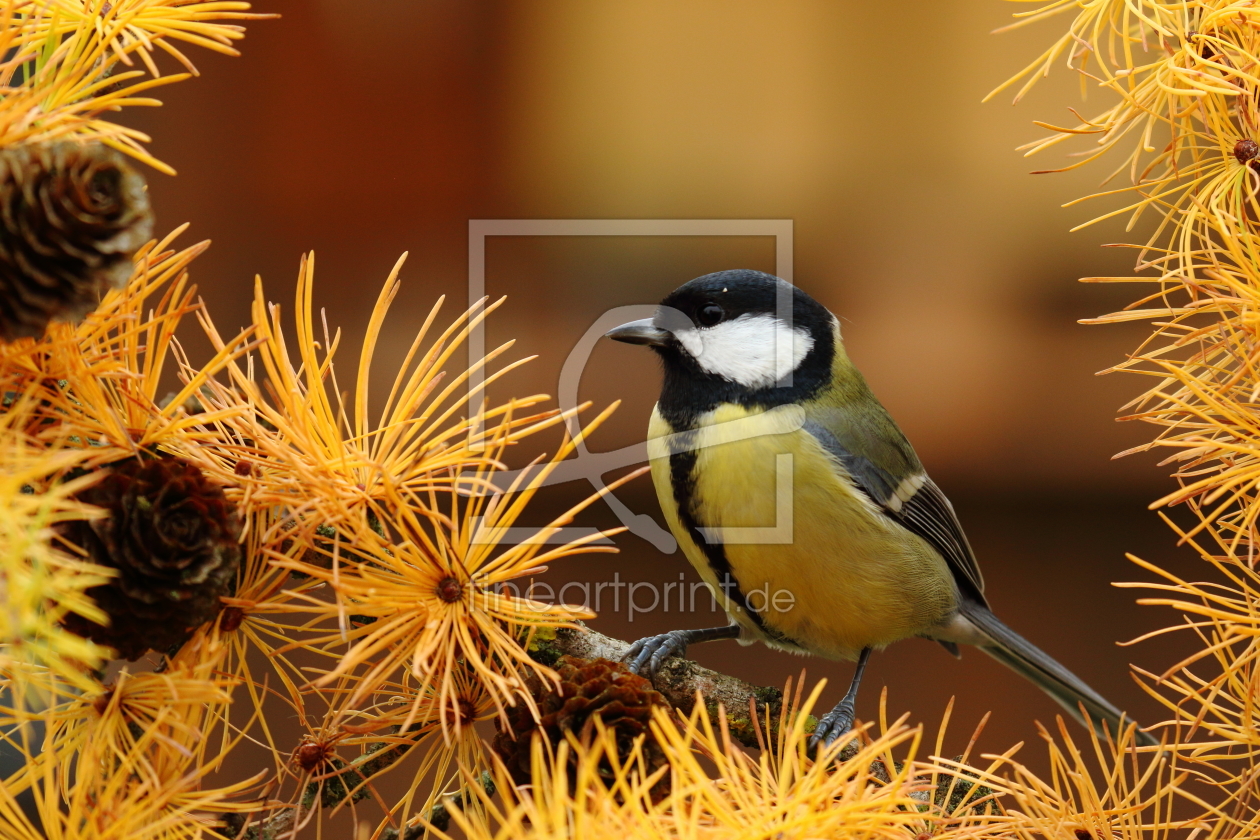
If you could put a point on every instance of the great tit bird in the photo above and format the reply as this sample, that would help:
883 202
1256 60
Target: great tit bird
779 472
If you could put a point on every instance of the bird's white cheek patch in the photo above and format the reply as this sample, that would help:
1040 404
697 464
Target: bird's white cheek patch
691 342
754 350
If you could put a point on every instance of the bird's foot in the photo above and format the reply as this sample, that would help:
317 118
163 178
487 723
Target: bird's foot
832 725
646 656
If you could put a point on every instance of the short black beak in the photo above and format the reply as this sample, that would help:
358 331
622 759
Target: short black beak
640 332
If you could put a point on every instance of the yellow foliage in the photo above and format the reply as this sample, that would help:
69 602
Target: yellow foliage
370 605
64 63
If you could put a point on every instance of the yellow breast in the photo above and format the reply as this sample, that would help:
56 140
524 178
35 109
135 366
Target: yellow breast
823 569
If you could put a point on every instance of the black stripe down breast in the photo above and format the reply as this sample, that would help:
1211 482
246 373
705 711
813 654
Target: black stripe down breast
682 465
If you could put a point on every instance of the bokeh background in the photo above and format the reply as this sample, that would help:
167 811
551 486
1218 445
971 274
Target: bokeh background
359 130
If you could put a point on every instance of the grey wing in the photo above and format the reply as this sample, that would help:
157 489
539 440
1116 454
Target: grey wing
916 503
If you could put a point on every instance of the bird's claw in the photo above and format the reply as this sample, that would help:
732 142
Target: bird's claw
831 726
646 656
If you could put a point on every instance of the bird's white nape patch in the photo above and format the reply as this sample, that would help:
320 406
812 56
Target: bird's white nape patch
754 350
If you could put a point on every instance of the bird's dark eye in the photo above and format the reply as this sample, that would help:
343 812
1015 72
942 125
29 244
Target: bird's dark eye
709 314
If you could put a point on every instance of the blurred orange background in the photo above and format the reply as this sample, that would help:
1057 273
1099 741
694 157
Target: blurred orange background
363 129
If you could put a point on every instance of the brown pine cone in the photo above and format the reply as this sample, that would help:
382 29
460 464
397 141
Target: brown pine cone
172 536
71 217
589 688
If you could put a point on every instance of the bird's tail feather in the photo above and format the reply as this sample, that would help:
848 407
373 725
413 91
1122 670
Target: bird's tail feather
1021 656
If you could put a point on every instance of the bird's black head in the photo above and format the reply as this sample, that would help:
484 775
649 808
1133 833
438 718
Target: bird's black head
736 336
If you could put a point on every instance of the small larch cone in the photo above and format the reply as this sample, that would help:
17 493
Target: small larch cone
172 536
71 218
589 689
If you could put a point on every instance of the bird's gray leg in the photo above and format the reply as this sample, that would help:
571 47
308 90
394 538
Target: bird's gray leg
646 656
840 719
